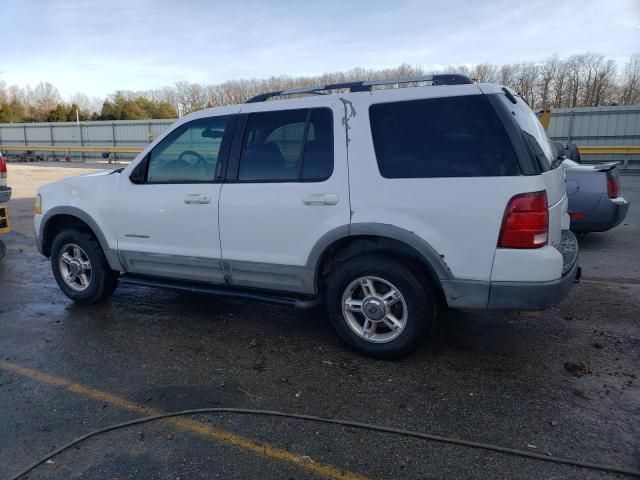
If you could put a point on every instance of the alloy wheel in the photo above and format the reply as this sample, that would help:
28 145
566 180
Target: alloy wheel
374 309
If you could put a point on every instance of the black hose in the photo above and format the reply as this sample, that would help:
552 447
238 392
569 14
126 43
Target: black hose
349 423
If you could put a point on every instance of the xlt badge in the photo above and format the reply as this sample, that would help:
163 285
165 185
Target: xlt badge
135 235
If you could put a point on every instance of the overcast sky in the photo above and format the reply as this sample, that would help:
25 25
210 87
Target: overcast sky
97 47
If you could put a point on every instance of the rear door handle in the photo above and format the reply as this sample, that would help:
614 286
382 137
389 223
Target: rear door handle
194 198
321 199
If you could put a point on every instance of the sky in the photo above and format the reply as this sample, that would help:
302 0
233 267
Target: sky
98 47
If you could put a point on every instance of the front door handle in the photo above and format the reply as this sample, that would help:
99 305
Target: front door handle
321 199
195 198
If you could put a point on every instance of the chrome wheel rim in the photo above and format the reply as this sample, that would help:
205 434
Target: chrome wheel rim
374 309
75 267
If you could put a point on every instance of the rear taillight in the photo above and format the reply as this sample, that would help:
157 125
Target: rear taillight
613 187
526 222
3 167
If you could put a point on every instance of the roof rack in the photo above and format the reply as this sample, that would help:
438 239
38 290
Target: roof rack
445 79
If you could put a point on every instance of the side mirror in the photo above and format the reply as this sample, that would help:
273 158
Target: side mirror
137 174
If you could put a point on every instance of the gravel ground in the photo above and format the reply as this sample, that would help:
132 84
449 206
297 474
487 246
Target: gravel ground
562 382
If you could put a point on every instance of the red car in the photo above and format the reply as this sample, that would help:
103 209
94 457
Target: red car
5 196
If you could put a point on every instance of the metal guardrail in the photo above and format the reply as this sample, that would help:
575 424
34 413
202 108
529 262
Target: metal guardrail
120 139
587 150
603 150
603 134
71 149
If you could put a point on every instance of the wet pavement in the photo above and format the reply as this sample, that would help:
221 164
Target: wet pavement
562 382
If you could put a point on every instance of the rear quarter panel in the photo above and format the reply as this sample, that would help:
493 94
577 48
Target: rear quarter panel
459 217
554 184
588 188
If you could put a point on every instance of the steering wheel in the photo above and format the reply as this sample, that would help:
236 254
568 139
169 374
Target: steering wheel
200 159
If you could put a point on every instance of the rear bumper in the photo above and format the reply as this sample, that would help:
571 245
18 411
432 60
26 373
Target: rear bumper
539 295
609 213
531 296
511 295
5 194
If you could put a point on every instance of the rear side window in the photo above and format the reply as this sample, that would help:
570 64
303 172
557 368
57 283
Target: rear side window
533 132
441 137
287 146
317 161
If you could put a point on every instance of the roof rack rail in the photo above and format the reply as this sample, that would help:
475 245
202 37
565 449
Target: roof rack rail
365 86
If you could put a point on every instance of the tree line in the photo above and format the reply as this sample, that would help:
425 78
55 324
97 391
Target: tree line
582 80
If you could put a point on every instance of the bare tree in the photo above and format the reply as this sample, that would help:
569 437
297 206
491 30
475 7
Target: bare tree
507 75
526 75
4 95
580 80
604 89
43 99
596 79
575 85
191 97
630 88
548 72
485 73
86 104
559 88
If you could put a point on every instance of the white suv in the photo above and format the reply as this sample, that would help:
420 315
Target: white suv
388 204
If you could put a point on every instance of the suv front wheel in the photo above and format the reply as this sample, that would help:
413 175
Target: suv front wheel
80 267
380 307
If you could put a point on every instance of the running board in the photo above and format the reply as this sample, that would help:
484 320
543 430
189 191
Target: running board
220 291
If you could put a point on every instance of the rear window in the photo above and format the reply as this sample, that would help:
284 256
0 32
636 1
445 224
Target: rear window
441 137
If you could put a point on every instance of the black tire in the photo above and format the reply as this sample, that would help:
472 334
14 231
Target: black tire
418 293
3 250
103 280
573 153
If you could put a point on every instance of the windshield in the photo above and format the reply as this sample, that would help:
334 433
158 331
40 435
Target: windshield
534 133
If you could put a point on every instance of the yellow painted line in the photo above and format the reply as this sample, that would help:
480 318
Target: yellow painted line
188 425
71 149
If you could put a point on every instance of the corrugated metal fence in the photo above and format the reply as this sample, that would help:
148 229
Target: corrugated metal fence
584 126
124 133
598 126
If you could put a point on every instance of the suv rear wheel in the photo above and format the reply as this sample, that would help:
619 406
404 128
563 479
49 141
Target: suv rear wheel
80 267
380 307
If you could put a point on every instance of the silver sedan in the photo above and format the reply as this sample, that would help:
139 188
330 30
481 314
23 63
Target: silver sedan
595 201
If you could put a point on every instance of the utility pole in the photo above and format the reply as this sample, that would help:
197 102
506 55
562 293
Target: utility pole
80 130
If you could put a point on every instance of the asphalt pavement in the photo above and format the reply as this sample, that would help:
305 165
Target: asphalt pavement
562 382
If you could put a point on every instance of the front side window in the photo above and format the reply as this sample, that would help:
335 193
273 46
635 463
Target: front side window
441 137
287 145
190 153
